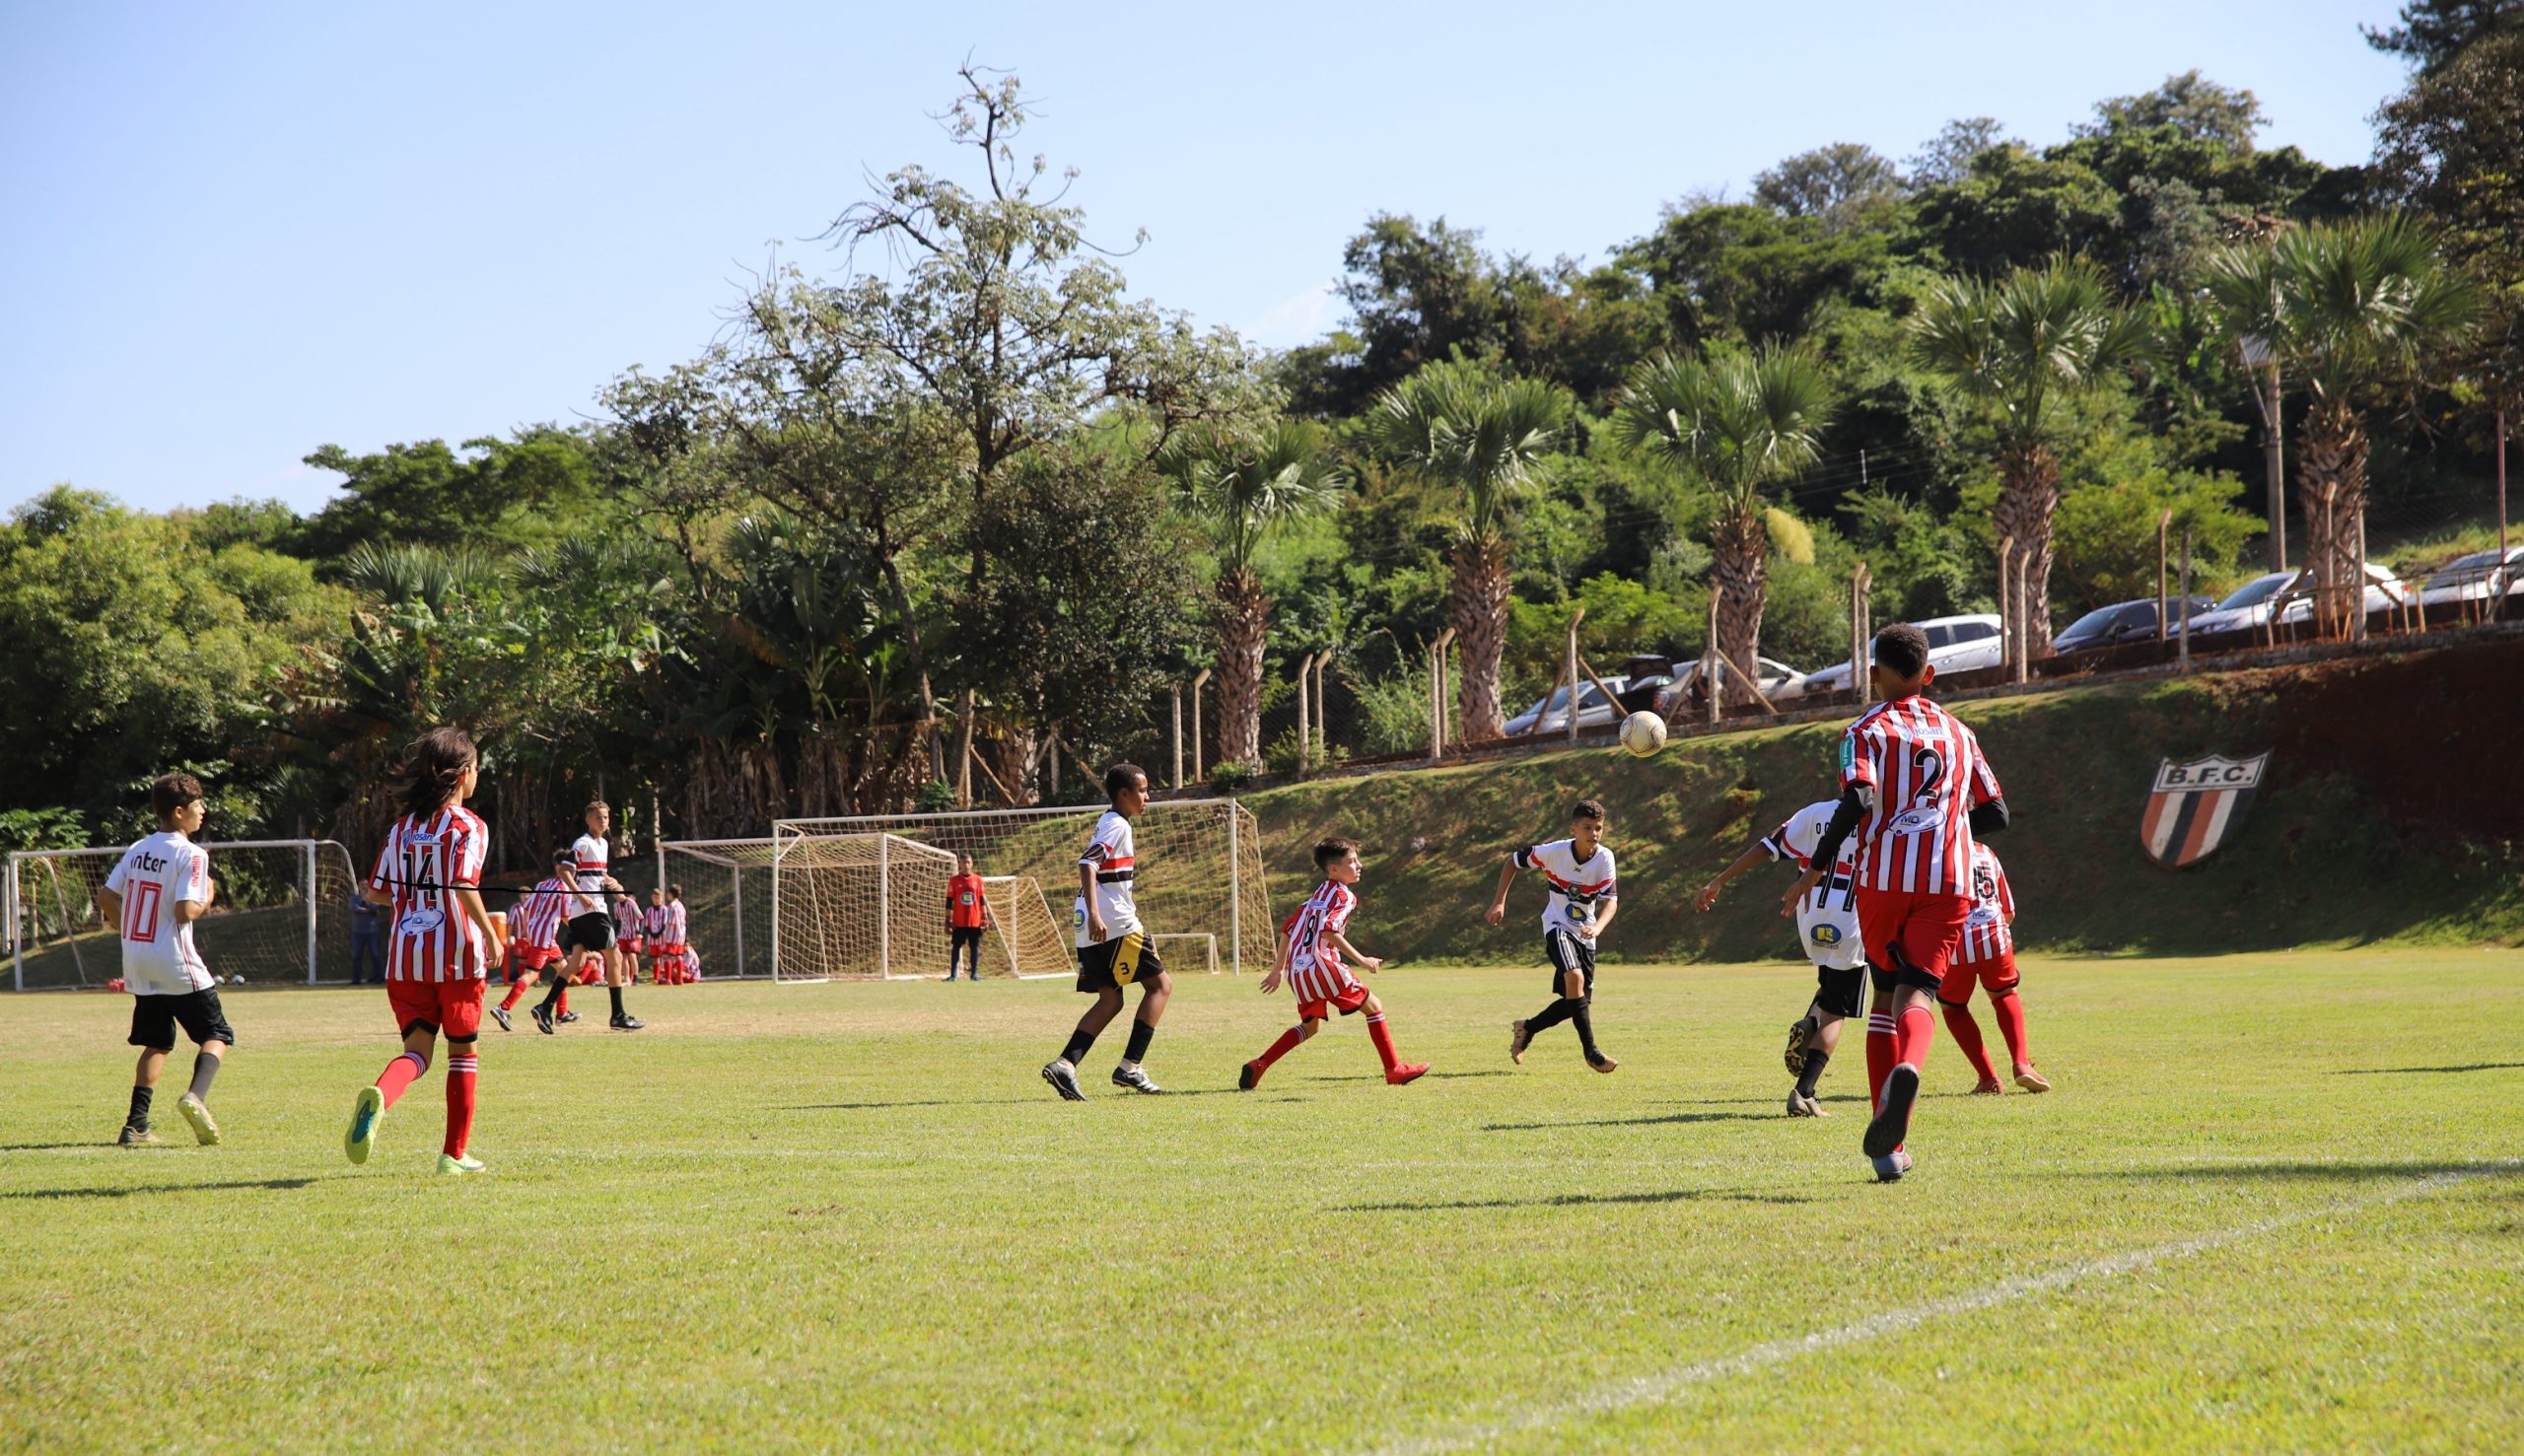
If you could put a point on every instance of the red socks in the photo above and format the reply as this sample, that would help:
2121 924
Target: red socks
462 1068
399 1074
1384 1040
1880 1055
561 1008
1287 1043
1967 1035
1911 1037
516 990
2010 1013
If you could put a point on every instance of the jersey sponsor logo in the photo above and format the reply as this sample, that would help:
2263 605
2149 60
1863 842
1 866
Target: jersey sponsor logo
2194 808
1826 934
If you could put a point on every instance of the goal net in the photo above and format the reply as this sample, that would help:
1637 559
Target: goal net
867 896
282 913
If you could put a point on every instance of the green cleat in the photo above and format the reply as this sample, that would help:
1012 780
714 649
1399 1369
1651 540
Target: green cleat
366 1114
205 1128
467 1164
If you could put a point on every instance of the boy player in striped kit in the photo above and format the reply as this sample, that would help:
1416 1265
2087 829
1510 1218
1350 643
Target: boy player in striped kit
1915 790
1580 908
534 948
1312 966
1987 955
591 921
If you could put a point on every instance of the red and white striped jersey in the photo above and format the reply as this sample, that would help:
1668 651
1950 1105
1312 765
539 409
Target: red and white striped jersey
653 922
424 859
157 953
1115 855
1929 775
589 854
1985 933
1315 971
536 920
675 923
1576 886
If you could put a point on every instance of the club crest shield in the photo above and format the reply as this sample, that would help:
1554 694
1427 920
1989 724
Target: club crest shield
2194 806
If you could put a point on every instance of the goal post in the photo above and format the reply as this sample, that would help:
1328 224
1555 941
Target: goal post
281 914
864 896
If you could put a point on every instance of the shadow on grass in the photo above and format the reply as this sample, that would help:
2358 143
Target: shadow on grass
54 1147
2427 1070
921 1102
148 1187
1424 1076
1579 1199
1638 1122
2299 1171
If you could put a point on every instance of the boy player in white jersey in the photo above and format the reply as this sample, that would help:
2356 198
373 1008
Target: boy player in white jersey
1581 909
160 887
1827 928
589 930
1112 947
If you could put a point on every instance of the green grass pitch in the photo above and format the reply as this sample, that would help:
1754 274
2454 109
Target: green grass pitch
2274 1204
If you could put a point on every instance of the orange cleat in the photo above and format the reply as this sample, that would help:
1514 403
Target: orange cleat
1989 1087
2030 1079
1407 1071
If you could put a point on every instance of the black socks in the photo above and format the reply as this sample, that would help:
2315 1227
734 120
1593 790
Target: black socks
616 993
205 1066
1812 1076
1550 1016
1141 1034
139 1117
1078 1041
1580 1017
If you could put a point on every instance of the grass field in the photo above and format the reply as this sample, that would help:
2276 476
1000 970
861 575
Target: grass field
2274 1204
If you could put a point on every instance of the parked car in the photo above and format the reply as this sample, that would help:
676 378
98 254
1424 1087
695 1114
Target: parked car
1955 644
1551 714
2480 576
2126 621
2289 593
1684 693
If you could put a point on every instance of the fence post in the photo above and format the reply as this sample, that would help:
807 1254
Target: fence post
1322 709
1438 693
1861 628
963 763
1575 617
2164 524
2185 663
1197 679
1709 680
2008 631
1306 666
2024 615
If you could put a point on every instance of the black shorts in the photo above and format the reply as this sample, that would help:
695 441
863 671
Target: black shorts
593 930
1840 992
154 1020
1569 953
959 937
1118 962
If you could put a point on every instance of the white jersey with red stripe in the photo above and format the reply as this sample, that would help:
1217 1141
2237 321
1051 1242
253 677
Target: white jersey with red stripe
537 922
1929 775
1315 971
1987 935
1826 918
425 858
1577 886
589 856
1113 851
157 953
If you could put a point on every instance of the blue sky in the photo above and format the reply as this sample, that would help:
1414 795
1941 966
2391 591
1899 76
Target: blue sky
232 234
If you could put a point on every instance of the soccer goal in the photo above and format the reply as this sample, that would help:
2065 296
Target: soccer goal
282 914
865 896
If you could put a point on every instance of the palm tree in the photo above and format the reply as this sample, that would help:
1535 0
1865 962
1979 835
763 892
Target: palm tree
2020 347
1461 427
2345 310
1738 423
1244 486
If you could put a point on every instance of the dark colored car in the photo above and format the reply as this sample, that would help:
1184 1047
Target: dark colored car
2125 621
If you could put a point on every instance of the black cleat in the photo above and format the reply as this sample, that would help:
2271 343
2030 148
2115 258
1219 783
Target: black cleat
627 1023
1247 1077
1133 1079
543 1020
1799 1037
1892 1123
951 975
501 1015
1064 1080
565 1017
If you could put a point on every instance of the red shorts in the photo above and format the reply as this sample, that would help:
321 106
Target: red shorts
1349 999
453 1008
1997 976
632 945
1926 929
527 961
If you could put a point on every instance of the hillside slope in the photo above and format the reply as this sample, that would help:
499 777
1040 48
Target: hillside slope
2392 809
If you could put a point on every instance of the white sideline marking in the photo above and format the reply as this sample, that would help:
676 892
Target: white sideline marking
1647 1390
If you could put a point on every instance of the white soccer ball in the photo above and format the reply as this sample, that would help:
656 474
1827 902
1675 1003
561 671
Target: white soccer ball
1643 734
236 980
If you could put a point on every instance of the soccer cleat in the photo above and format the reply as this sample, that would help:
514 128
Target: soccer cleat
1891 1166
1408 1072
1064 1080
1799 1036
565 1017
1800 1105
366 1114
2030 1079
501 1015
1892 1121
1989 1087
205 1131
467 1165
627 1023
1248 1076
1519 1038
1602 1063
137 1138
951 975
543 1020
1132 1079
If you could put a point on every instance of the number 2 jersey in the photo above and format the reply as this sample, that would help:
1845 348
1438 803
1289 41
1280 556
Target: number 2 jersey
1578 887
1113 853
1929 775
1826 918
1987 935
157 954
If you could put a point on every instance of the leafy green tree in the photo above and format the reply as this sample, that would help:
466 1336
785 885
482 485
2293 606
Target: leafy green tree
1743 273
1481 440
1946 158
2432 32
2192 104
1739 424
1242 487
2015 209
2016 351
1835 184
495 494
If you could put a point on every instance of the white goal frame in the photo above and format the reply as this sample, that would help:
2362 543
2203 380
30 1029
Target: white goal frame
13 885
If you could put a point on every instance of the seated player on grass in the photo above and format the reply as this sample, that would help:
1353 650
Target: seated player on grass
1580 872
1312 964
1112 948
533 947
1827 928
1987 955
156 892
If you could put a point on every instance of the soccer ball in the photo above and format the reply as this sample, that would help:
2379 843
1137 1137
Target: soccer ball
236 980
1643 734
